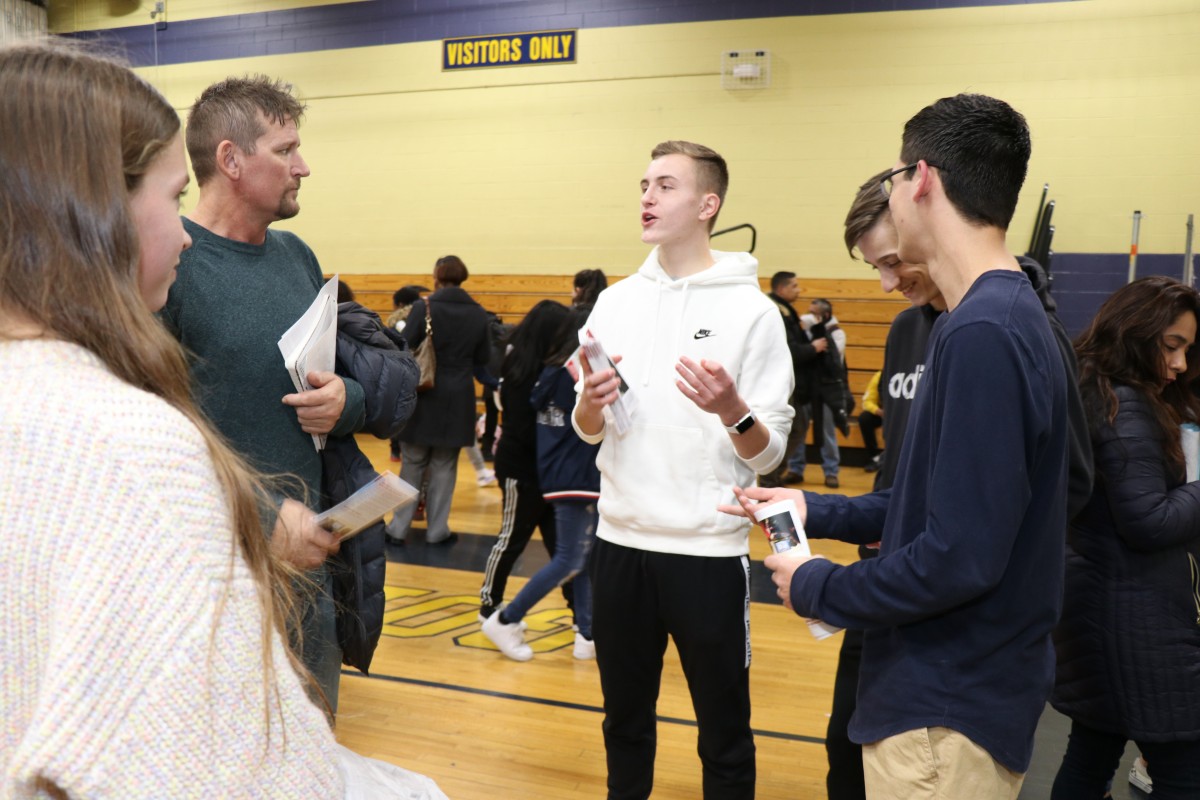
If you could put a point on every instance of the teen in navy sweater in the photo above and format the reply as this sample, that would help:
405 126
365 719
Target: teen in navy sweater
959 606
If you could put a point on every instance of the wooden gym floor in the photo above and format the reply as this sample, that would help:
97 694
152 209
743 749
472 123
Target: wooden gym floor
441 700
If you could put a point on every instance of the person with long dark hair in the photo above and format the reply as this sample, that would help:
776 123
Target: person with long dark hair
1128 643
587 286
523 508
570 483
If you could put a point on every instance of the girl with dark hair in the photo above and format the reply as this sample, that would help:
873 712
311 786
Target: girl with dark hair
523 508
570 483
589 283
1128 643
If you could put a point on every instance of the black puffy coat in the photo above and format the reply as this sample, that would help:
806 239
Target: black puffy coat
1079 445
389 376
1128 644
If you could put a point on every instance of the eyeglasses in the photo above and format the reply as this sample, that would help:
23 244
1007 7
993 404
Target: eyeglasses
885 183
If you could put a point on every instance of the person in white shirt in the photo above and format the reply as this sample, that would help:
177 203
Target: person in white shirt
701 348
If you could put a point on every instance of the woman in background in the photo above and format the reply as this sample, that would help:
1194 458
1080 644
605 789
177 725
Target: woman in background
142 608
444 421
588 285
1128 643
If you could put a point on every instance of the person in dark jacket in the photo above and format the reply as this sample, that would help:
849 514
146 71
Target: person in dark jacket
804 351
523 508
570 483
444 420
402 302
498 333
1128 644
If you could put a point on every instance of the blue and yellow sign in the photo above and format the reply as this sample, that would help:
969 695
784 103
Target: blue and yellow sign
514 49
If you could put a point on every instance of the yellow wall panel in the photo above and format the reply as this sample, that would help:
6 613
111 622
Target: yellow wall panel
535 169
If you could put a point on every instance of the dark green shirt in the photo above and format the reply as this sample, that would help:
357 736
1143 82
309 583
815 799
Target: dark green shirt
228 307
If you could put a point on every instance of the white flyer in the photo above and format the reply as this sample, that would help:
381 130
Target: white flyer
310 345
620 413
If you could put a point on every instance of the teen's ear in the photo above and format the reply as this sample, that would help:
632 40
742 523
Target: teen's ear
924 180
709 206
229 159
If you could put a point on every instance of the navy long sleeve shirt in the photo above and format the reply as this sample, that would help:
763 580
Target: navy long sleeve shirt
959 606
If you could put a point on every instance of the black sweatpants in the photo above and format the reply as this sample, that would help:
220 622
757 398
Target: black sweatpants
869 423
1093 756
845 778
523 509
639 598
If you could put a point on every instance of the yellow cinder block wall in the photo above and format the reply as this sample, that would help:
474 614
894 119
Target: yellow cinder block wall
536 169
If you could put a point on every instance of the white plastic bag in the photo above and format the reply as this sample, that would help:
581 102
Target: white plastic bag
372 779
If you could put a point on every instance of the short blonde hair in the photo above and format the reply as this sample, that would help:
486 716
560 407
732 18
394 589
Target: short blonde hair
711 169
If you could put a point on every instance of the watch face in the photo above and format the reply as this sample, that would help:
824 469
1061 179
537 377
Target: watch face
745 424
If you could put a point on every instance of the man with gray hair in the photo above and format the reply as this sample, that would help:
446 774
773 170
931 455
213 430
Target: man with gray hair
240 286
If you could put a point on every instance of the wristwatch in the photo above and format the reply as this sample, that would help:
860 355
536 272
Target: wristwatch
742 425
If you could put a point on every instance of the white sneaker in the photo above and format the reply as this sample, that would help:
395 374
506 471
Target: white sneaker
484 617
509 638
486 477
585 649
1139 777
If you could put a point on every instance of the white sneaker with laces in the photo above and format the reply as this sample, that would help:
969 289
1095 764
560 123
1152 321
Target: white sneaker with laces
1139 777
486 477
585 649
484 618
509 638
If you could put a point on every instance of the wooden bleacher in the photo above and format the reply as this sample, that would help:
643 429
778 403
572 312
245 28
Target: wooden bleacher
862 308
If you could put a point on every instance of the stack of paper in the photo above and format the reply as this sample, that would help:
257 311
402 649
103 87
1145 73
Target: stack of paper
1190 439
310 345
620 413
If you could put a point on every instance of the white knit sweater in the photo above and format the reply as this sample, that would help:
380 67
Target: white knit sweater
118 679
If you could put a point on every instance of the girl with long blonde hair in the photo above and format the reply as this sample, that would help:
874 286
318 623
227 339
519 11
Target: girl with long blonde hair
141 604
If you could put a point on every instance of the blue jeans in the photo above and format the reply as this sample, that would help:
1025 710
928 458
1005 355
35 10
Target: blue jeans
830 455
575 526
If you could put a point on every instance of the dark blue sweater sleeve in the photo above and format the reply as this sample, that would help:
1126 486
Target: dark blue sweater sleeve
857 520
984 413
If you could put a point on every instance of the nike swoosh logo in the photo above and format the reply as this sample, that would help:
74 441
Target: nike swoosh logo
703 334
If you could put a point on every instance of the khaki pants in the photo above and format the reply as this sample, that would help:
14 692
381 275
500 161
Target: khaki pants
938 764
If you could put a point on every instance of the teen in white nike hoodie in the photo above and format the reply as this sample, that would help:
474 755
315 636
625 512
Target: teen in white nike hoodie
661 483
701 351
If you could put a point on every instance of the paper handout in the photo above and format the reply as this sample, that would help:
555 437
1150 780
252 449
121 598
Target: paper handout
310 345
367 506
785 531
1190 440
620 413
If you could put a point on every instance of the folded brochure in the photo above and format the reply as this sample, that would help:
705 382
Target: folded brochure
367 506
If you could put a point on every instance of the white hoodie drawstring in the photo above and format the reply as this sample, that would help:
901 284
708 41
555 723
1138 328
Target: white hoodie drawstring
683 298
658 283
